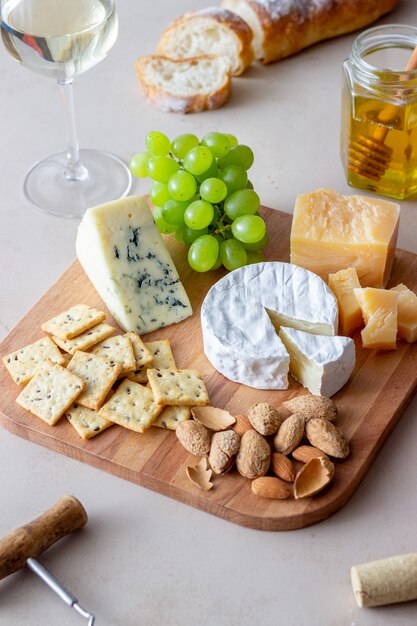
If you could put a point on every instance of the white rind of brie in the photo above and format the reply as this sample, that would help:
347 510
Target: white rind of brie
321 364
243 311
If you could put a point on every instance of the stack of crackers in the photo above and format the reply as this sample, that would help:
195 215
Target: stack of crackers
97 378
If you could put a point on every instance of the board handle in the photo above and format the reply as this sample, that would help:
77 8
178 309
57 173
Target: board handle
32 539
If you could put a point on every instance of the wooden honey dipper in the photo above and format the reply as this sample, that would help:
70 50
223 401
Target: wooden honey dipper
369 156
22 546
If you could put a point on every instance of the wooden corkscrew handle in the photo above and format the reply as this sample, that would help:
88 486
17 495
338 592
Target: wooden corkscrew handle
36 536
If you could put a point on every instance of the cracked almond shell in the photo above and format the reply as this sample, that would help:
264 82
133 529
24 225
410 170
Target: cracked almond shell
212 417
200 475
313 477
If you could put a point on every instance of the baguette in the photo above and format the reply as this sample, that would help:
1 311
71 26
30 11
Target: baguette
185 86
209 31
283 27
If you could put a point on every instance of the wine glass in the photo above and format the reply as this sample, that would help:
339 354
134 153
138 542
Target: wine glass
60 39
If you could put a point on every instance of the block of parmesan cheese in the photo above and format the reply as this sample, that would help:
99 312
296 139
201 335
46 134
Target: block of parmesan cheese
342 284
331 232
127 261
407 313
379 310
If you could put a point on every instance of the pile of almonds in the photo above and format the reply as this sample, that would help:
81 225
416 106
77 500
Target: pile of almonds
215 436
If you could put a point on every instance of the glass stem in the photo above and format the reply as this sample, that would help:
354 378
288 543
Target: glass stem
75 170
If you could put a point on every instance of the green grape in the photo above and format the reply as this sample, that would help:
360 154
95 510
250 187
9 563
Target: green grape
213 190
217 142
198 160
238 155
183 144
254 256
232 140
243 202
212 172
249 228
161 224
249 185
232 254
138 163
159 193
198 214
218 262
235 178
182 185
158 143
203 253
161 168
187 235
173 212
259 245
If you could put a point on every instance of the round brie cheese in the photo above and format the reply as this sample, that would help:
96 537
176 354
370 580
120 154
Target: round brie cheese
243 311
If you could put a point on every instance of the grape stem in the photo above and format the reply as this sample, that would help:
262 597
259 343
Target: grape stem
222 229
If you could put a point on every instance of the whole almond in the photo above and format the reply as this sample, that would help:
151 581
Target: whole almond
254 455
289 434
325 436
194 437
313 477
271 487
264 418
312 406
306 453
283 467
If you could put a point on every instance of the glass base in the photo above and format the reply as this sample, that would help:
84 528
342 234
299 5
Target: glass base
47 189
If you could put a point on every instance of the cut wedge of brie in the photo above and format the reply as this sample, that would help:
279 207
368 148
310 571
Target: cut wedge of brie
243 312
321 364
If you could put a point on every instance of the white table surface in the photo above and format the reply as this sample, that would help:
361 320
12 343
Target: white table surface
145 559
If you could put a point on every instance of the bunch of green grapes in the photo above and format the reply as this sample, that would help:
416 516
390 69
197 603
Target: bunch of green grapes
201 192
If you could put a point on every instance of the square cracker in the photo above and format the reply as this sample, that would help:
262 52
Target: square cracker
98 374
87 423
132 406
143 355
87 339
119 349
73 322
50 392
22 364
162 358
177 387
171 416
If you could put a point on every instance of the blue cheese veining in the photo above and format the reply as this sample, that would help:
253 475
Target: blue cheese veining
126 259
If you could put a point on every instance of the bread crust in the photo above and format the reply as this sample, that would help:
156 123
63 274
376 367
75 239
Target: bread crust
289 26
239 28
181 104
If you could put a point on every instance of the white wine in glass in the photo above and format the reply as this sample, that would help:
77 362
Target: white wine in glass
60 39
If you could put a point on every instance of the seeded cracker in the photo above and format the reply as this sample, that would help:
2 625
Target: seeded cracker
162 358
119 349
131 406
50 392
87 423
98 374
74 321
87 339
22 364
171 416
143 356
177 387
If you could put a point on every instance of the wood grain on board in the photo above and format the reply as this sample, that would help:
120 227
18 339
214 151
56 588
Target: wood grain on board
369 405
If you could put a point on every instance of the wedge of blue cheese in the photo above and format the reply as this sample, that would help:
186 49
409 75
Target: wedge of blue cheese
126 259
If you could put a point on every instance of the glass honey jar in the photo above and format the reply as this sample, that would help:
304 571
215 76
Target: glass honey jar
379 112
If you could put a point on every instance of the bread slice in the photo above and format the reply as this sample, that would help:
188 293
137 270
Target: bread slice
187 85
284 27
209 31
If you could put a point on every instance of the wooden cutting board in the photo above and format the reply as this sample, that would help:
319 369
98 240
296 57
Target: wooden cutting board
369 405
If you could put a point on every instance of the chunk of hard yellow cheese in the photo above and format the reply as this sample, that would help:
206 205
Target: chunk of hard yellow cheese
342 284
379 310
407 313
331 232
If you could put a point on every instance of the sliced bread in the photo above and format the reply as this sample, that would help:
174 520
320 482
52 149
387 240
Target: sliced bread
209 31
185 86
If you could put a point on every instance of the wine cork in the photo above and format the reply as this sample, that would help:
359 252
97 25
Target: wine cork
386 581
